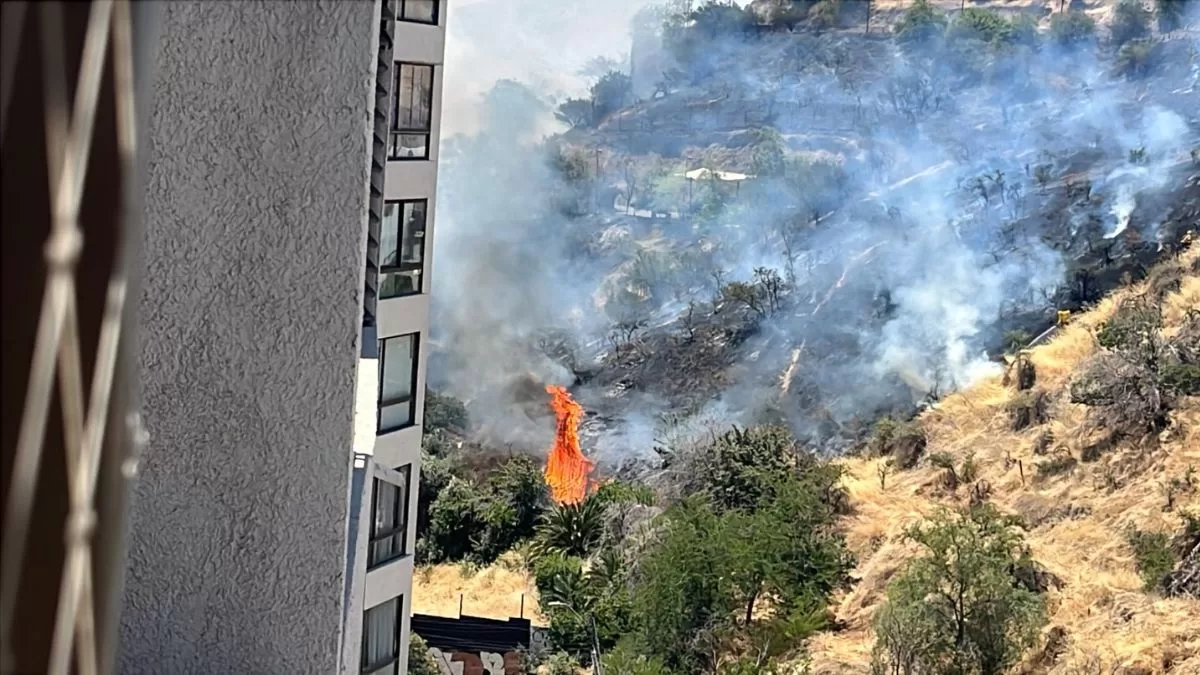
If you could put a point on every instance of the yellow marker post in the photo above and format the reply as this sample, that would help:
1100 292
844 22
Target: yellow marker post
1064 315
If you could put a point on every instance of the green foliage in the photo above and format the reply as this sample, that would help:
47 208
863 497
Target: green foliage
975 23
704 583
561 663
1072 28
739 469
1016 340
420 661
1170 14
609 94
1152 555
624 660
624 492
956 609
1132 325
920 24
443 411
573 529
1183 379
459 519
575 112
1138 58
1131 21
904 441
767 152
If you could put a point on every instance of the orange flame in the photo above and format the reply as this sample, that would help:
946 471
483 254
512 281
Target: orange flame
567 470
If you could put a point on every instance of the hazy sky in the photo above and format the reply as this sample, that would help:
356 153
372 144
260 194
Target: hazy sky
542 43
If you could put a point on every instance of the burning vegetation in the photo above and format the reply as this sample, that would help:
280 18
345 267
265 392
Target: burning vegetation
567 471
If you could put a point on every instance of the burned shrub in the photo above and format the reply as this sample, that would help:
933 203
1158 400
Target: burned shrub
1125 384
1026 372
1184 580
1055 466
1043 442
903 441
1028 409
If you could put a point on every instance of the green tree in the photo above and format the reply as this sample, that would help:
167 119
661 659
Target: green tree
516 499
1131 21
1072 28
698 592
980 24
957 610
443 411
610 93
921 24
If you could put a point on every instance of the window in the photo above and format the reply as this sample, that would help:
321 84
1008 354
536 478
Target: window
381 638
417 11
389 529
412 113
397 382
402 248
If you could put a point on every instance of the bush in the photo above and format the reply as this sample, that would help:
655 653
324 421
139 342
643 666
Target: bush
561 663
572 529
921 24
443 411
1182 379
420 661
904 441
1138 58
957 608
1072 28
1131 21
609 94
1055 466
974 23
1152 555
1170 14
1027 409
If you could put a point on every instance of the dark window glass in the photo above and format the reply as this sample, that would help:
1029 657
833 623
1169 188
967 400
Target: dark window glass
413 112
381 638
417 11
397 382
389 529
402 248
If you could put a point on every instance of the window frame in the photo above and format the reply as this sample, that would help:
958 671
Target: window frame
371 668
396 130
400 515
399 13
411 399
402 267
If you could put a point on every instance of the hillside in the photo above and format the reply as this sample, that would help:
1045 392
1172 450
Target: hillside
1076 520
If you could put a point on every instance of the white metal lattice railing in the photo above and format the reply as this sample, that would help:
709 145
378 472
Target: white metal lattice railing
69 129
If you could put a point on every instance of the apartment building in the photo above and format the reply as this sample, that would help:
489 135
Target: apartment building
395 329
290 202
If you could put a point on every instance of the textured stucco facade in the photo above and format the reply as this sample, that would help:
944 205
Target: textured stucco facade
256 209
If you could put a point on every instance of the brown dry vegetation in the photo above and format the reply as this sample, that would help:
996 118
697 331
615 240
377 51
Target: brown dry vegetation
1077 519
493 592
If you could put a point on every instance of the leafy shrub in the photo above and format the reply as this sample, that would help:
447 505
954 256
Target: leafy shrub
1152 555
572 529
1027 409
1016 340
1170 14
443 411
1131 21
561 663
1072 28
1131 326
956 609
980 24
1138 58
576 112
420 661
903 441
920 24
1182 379
1055 466
610 93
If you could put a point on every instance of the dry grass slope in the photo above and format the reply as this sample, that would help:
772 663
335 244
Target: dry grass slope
1077 518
